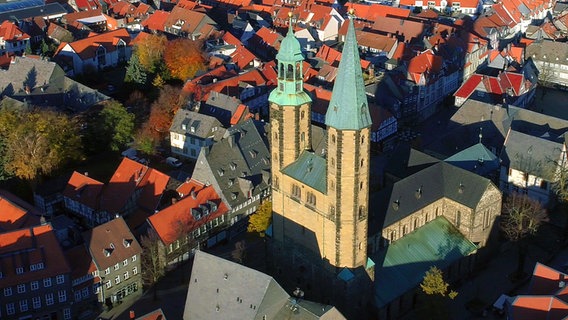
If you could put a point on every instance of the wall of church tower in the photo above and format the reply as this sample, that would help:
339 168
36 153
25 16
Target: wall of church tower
348 193
290 129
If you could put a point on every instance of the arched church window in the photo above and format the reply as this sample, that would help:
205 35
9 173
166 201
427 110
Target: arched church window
362 139
362 162
281 71
333 138
298 72
290 73
302 115
302 137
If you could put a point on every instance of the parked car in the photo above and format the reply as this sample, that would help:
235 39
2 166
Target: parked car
173 162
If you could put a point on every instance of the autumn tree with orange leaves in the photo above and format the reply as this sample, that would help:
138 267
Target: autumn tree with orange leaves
183 58
164 108
150 51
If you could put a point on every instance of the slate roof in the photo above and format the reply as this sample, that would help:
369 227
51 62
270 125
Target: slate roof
309 169
431 184
220 106
221 289
402 265
113 238
50 9
406 161
237 162
529 154
196 124
549 51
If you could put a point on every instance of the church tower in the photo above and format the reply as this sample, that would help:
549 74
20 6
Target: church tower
289 105
348 125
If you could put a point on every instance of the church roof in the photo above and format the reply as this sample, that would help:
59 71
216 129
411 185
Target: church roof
476 158
348 108
290 49
309 169
404 262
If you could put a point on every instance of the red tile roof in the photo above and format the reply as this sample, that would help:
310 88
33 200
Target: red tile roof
30 246
129 177
321 98
10 32
87 48
409 30
111 243
14 216
167 222
156 21
374 11
241 56
84 190
426 62
468 87
154 315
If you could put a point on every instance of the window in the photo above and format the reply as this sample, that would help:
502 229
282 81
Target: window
458 219
10 309
311 198
107 271
117 280
62 295
543 184
296 191
67 313
34 285
133 258
135 270
21 288
49 299
108 284
125 262
362 214
85 292
60 279
24 305
77 296
126 275
36 302
116 266
8 291
19 270
47 282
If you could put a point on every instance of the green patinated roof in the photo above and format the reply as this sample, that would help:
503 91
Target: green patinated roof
290 49
404 262
348 108
476 158
289 99
309 169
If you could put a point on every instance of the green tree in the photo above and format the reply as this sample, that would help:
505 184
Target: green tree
135 73
111 128
146 140
521 218
37 142
259 221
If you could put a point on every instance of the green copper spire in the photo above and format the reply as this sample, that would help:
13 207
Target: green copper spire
290 90
348 108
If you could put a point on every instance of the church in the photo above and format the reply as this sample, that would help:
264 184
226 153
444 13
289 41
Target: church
320 199
323 230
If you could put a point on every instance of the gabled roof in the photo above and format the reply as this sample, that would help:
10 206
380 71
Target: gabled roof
13 215
129 177
242 154
111 243
191 212
80 261
440 180
196 124
84 189
191 22
232 291
23 248
477 159
87 48
154 315
10 32
156 21
425 63
405 261
408 29
374 11
469 86
309 169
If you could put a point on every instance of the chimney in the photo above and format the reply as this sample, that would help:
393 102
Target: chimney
174 200
132 315
193 194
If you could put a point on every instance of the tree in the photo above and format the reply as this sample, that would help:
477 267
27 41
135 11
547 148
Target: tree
521 218
146 140
183 58
150 50
111 128
135 72
436 291
37 142
152 264
164 108
259 221
138 104
434 283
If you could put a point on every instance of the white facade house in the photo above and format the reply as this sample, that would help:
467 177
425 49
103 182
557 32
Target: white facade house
95 53
530 165
190 131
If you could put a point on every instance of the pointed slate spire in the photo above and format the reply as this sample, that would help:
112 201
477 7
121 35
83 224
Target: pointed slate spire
348 108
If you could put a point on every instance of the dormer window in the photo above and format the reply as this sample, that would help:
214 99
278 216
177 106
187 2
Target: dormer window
212 205
126 243
233 166
107 252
